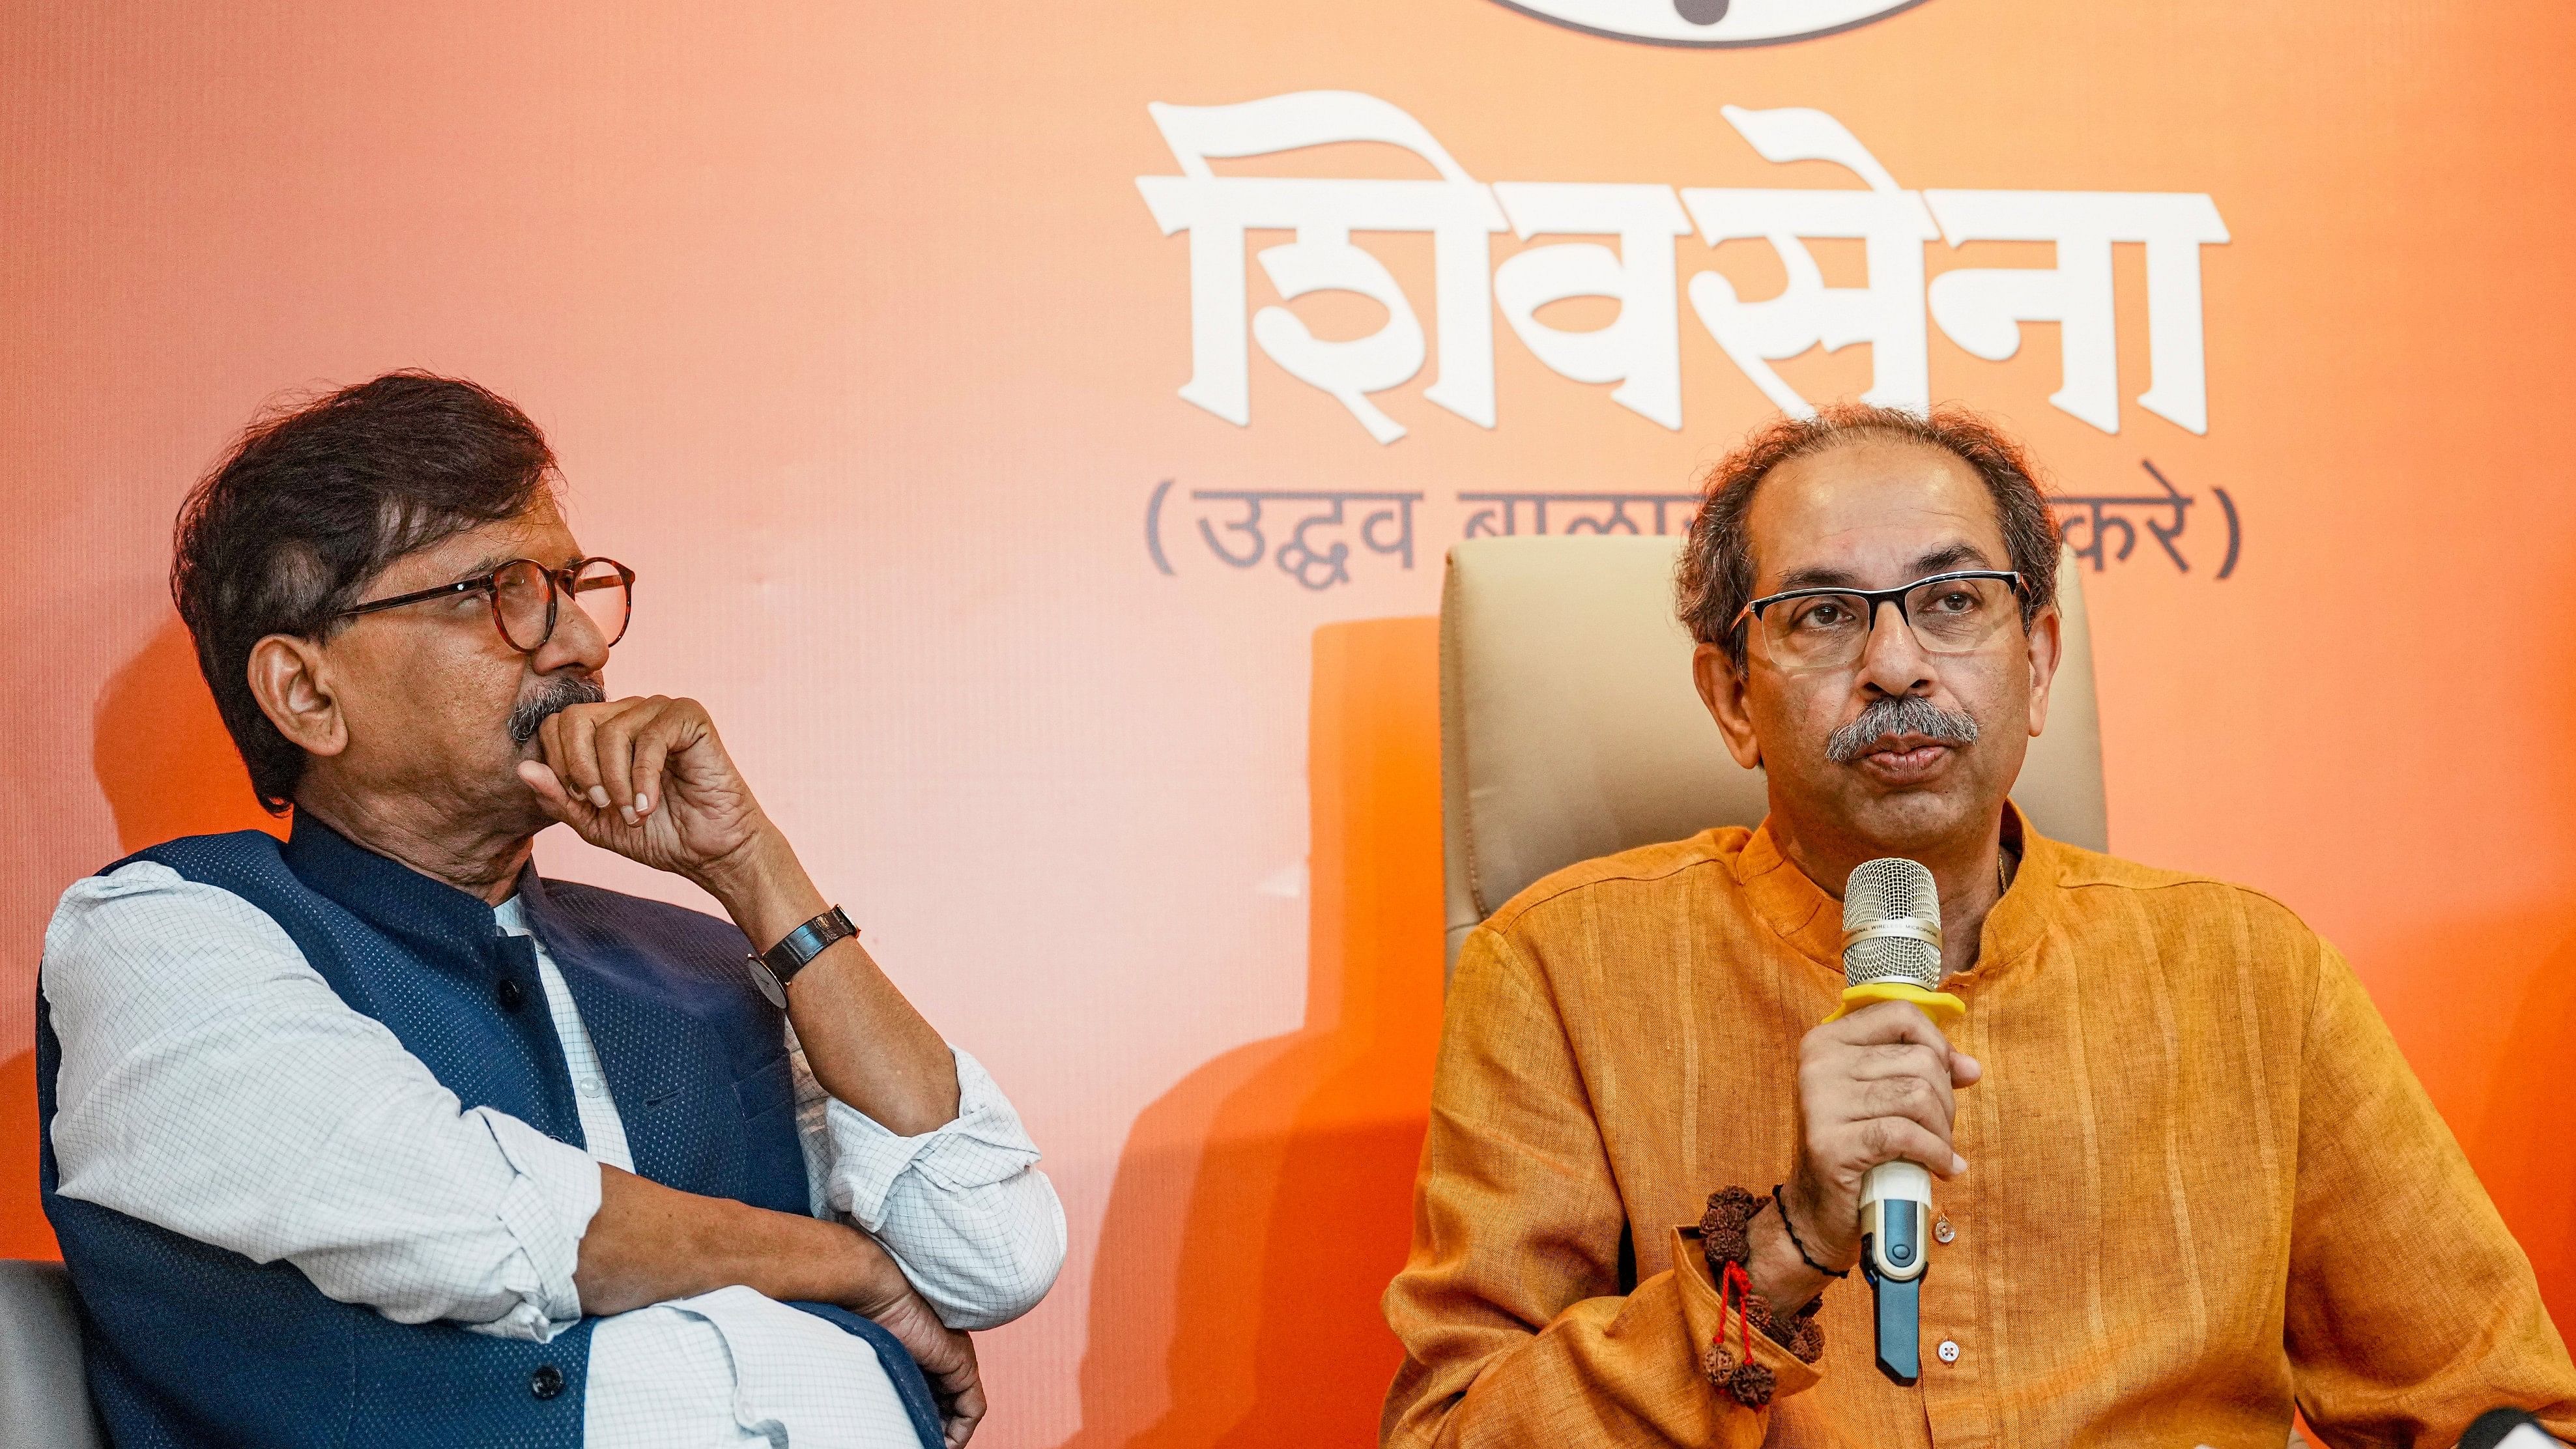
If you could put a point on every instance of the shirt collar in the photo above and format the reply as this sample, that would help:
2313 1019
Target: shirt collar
386 893
1789 903
1811 922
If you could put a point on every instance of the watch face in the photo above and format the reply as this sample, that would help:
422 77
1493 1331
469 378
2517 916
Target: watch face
768 982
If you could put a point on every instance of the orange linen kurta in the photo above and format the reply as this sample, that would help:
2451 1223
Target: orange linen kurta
2202 1181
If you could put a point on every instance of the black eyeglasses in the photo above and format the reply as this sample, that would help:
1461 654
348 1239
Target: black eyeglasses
524 595
1829 628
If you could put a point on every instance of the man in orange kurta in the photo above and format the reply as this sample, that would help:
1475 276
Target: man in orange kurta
2187 1181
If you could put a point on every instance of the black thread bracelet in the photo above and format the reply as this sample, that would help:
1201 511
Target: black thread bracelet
1792 1230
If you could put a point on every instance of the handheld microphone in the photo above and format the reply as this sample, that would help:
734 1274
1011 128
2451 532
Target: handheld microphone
1892 952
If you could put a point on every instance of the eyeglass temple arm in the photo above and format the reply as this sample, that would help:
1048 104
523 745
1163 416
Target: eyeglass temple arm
397 601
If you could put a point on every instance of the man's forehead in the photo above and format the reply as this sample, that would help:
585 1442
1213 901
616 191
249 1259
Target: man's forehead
538 532
1871 512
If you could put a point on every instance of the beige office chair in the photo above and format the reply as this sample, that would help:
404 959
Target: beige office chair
1569 726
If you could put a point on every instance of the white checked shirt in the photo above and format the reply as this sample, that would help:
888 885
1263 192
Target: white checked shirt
213 1084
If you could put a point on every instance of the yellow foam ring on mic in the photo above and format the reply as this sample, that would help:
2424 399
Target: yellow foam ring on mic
1941 1006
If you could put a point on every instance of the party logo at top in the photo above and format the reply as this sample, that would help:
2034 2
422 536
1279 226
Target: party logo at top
1710 22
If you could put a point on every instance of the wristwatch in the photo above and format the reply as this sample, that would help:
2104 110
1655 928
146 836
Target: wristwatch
772 969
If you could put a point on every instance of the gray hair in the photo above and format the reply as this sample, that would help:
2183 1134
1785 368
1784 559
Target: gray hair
1715 580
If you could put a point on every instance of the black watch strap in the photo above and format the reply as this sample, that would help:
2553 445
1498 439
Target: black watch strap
772 969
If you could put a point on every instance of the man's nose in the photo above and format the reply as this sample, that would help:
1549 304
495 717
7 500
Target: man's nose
1893 661
576 643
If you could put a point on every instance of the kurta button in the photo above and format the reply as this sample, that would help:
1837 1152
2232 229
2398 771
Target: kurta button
1942 1231
546 1382
1949 1351
510 994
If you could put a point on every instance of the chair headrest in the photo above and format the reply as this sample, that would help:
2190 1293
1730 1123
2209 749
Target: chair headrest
1570 728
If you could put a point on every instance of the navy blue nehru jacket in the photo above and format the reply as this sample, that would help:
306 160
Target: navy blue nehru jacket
190 1344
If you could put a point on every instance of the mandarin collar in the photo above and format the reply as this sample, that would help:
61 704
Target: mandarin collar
1802 915
388 894
1811 922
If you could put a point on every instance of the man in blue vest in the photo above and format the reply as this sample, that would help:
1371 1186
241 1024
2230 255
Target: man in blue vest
375 1136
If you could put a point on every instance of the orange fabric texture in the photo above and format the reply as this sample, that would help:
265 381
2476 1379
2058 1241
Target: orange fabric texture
2201 1179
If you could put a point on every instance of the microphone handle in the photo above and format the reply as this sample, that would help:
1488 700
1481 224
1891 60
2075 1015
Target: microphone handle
1895 1204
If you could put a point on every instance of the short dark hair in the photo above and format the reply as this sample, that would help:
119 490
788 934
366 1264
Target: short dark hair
313 502
1715 579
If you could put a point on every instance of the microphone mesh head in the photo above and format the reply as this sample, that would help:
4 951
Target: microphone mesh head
1889 889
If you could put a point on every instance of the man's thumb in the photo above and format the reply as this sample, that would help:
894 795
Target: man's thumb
551 796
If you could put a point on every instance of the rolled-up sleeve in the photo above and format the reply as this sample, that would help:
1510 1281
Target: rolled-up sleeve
213 1084
963 1208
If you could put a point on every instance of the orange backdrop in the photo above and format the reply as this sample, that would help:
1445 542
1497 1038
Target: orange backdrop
860 339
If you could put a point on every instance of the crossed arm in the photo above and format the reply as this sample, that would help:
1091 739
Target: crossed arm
649 779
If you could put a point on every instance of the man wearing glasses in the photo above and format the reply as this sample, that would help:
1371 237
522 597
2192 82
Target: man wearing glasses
377 1136
2186 1179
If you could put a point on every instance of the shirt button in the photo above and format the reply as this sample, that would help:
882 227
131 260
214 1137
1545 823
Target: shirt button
1942 1231
591 1086
1949 1351
510 993
546 1382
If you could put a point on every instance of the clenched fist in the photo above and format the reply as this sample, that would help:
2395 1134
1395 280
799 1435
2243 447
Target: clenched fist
946 1357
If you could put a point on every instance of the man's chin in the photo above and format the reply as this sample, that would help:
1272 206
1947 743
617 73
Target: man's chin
513 802
1907 819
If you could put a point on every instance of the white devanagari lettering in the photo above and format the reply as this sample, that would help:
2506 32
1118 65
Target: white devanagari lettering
1641 348
1891 223
1216 210
1982 309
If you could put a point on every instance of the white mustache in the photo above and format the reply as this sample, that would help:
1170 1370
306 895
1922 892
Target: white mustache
556 694
1911 715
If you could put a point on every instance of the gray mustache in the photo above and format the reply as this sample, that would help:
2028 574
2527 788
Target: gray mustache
1911 715
557 693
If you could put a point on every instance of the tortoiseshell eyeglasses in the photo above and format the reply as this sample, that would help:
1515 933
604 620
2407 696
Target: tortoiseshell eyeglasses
525 596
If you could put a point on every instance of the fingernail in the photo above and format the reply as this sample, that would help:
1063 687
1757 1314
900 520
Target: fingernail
1957 1163
643 804
628 813
599 796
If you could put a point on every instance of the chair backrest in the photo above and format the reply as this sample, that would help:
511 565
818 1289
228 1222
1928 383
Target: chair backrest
44 1404
1569 726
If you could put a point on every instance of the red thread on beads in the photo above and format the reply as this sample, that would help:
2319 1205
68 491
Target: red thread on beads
1742 1284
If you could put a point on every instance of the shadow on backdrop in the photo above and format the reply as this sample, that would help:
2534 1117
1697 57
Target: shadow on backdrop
161 755
167 769
2524 1148
1262 1204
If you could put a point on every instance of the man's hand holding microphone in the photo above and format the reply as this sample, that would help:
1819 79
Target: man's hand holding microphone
1879 1085
1877 1094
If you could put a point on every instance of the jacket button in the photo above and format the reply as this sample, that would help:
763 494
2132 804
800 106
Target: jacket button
511 995
546 1382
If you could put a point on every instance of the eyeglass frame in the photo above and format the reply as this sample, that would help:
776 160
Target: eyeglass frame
1876 597
558 587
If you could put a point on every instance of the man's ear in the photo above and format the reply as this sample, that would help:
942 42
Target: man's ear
291 679
1721 688
2047 650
